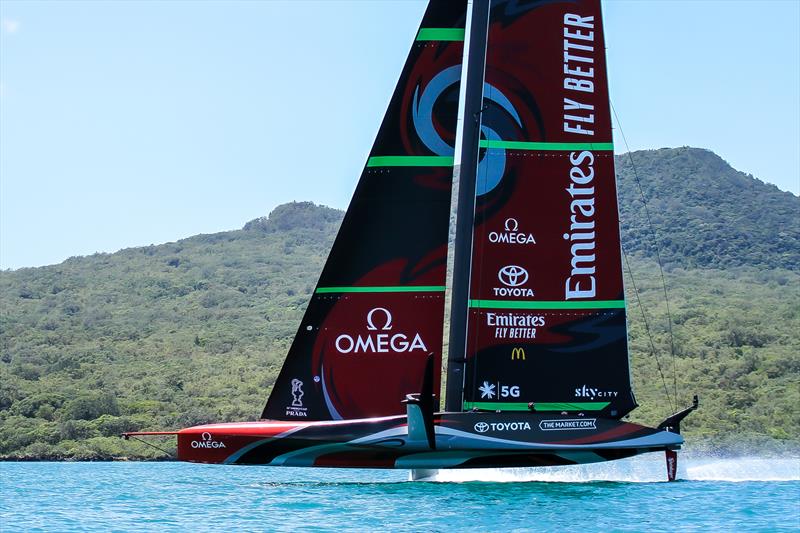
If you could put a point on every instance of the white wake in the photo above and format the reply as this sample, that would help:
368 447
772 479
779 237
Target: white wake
641 469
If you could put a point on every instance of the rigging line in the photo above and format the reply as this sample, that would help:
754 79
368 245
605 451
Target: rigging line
658 253
653 350
152 446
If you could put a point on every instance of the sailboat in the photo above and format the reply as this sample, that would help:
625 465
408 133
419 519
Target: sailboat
506 101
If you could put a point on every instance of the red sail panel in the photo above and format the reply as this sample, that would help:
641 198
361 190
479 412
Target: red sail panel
378 309
547 313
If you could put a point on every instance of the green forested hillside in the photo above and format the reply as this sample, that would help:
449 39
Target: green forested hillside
706 213
195 331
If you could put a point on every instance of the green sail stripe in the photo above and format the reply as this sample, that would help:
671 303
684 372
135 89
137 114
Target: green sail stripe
410 161
517 304
561 147
544 407
441 34
402 288
571 406
494 406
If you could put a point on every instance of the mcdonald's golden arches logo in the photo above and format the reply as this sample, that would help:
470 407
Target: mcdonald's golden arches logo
518 354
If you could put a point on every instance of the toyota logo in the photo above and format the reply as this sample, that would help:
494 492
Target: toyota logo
512 276
481 427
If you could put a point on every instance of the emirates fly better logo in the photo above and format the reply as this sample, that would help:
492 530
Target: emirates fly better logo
385 339
513 277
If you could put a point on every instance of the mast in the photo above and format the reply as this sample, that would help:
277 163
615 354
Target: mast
465 214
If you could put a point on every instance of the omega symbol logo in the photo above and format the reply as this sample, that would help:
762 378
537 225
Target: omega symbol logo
206 442
387 324
481 427
511 224
512 276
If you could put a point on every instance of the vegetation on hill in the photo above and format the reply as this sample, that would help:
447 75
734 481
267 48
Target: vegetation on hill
706 214
195 331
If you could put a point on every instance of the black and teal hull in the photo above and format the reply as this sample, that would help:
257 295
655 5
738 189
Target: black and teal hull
462 440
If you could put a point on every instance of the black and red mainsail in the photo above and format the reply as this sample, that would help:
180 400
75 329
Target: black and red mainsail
378 309
546 307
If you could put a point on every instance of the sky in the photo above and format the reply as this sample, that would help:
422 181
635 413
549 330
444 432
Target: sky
126 123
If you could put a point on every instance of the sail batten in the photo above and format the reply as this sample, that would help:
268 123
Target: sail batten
545 146
398 288
536 407
440 34
522 304
410 161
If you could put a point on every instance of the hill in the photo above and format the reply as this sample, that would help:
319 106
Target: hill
195 331
705 213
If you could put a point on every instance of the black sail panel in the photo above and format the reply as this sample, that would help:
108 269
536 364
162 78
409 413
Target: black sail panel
547 319
377 311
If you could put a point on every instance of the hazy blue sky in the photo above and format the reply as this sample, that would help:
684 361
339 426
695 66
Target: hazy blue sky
129 123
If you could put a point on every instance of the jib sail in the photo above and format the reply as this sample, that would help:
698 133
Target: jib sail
546 319
377 311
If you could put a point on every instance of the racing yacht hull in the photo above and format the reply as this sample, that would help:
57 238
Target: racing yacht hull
462 440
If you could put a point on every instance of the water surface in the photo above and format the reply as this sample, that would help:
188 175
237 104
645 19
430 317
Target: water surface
713 495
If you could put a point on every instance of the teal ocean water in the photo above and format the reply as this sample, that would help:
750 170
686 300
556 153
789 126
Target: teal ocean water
713 495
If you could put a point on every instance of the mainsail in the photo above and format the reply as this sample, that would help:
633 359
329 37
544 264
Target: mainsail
546 308
377 311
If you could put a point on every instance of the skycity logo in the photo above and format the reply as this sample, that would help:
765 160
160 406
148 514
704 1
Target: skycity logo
592 393
511 235
380 319
512 276
206 441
